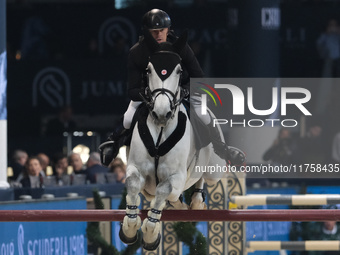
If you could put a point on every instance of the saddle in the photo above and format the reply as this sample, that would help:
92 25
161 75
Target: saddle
198 126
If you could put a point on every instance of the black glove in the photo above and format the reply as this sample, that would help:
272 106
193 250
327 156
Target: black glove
185 93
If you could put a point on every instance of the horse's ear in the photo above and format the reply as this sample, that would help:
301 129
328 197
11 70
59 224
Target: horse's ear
181 41
150 41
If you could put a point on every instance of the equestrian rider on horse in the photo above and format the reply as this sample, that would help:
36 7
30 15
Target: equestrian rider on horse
158 23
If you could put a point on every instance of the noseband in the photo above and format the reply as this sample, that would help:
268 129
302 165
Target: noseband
152 96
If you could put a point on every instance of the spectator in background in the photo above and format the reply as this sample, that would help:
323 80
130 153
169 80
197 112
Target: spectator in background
92 49
35 39
60 169
328 45
336 148
118 162
330 231
18 164
120 48
283 150
302 231
79 174
56 127
313 147
77 164
118 167
326 231
94 167
32 177
62 123
44 161
203 55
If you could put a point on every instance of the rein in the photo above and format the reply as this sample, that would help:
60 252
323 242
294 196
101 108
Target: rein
157 155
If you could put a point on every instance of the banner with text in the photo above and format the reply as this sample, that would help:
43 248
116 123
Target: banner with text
287 127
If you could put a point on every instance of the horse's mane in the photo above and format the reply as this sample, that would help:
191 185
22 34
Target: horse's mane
165 46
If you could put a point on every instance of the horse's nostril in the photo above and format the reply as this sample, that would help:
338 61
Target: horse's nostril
154 115
168 115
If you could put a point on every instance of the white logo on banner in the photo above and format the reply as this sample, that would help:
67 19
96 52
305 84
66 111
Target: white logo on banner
115 28
52 85
270 18
71 244
21 240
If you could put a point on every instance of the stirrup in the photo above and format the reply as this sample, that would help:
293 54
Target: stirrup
108 152
104 144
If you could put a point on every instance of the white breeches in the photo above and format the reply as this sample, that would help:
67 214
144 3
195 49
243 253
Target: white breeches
128 115
195 102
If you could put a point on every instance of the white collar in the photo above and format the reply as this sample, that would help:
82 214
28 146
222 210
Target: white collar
330 232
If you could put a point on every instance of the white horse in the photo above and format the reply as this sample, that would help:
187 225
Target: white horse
162 155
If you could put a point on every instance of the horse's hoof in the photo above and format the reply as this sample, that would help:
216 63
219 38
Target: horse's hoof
199 206
152 246
125 239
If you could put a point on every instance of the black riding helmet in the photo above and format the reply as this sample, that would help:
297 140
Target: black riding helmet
156 19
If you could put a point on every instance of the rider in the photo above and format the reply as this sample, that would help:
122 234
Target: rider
158 23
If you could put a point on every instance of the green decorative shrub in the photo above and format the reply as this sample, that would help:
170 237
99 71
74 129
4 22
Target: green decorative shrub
95 237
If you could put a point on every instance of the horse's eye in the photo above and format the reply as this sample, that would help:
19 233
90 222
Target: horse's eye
148 71
179 71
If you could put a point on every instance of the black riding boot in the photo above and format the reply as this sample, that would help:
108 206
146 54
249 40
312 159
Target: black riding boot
118 132
110 149
234 155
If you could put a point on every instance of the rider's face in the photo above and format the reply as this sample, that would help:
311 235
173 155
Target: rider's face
159 34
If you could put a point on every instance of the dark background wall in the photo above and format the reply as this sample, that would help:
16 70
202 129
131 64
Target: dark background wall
75 54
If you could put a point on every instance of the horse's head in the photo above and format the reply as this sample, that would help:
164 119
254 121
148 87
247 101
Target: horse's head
163 76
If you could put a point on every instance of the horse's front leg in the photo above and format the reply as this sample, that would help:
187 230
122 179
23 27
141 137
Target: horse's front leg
132 222
198 196
170 189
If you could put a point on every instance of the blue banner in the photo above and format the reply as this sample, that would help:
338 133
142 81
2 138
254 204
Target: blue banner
38 238
323 190
3 86
3 61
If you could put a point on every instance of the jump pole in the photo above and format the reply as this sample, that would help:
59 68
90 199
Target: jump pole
171 215
315 245
309 199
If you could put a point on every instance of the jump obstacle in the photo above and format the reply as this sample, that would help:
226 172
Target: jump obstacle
217 218
171 215
252 200
297 200
314 245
